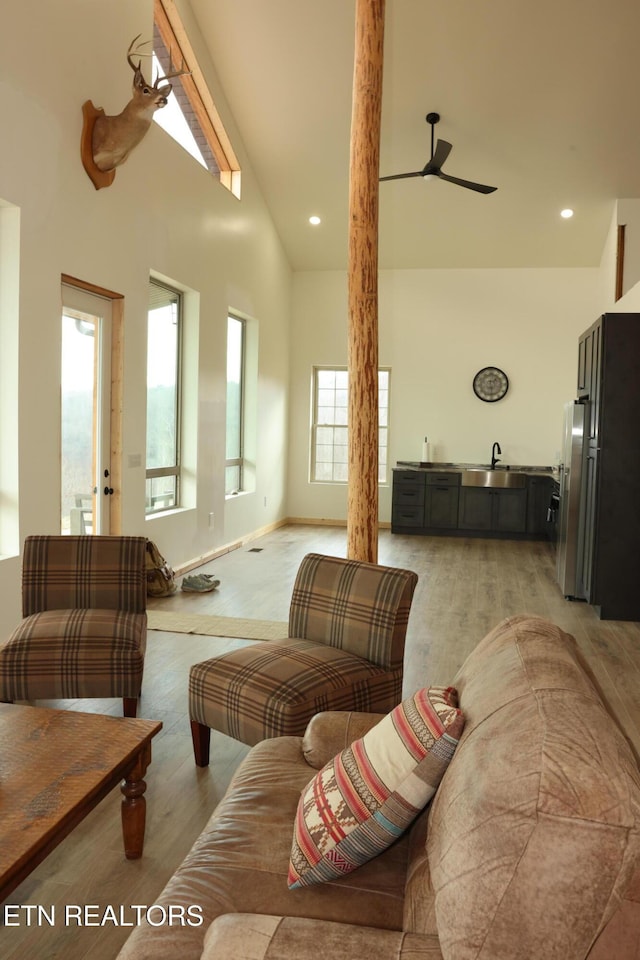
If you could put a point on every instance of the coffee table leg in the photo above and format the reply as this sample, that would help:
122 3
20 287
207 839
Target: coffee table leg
134 805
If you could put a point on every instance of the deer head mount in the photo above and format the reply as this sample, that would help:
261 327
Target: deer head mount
107 141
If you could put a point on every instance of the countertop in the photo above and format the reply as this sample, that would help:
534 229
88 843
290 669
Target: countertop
530 470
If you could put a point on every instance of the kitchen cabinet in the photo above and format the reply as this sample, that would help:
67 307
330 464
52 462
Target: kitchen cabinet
539 490
590 375
503 511
434 502
441 500
424 500
407 510
609 539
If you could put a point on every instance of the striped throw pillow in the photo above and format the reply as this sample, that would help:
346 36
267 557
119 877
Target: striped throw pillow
364 799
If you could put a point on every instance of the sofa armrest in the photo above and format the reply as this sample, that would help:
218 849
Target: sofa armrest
255 936
330 732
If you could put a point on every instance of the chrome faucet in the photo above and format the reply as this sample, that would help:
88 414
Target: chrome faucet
495 449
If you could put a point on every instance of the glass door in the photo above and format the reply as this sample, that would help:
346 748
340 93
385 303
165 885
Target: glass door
85 412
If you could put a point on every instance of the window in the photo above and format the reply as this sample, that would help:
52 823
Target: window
235 406
329 453
190 117
163 397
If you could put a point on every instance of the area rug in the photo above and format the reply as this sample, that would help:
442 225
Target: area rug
212 626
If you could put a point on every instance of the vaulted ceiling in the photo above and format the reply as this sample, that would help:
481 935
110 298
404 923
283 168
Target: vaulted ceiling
541 99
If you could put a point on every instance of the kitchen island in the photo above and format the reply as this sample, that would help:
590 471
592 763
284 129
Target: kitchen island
467 499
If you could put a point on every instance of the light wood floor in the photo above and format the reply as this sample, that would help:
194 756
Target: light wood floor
466 586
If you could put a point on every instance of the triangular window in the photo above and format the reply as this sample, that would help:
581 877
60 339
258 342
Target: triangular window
190 116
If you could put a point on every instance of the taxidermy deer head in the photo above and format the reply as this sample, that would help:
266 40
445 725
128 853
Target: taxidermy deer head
115 137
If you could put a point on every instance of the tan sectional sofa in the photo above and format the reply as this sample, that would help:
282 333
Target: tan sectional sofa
530 848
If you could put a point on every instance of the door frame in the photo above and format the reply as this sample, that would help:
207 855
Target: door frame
117 391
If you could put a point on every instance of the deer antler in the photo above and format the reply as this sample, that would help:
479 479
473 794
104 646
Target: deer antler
135 50
182 72
131 51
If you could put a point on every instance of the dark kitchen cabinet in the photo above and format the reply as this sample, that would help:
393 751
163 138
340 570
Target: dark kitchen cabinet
539 491
503 511
424 500
432 502
590 374
441 501
609 541
407 509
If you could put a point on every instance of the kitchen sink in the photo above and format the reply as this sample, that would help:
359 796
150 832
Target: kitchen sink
479 477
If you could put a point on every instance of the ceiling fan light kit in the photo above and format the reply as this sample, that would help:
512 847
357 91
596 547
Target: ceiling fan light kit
433 168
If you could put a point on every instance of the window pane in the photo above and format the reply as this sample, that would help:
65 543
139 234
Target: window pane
324 435
231 480
163 396
161 493
341 415
324 472
162 386
326 379
330 450
325 414
326 398
235 402
324 453
77 441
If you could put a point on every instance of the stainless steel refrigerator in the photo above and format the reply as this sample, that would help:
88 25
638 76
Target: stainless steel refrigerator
571 526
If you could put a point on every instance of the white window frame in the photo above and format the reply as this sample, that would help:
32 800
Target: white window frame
323 430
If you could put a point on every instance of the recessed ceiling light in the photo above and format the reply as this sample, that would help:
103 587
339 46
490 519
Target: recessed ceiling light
567 213
314 221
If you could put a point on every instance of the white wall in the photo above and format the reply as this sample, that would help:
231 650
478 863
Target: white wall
162 213
437 329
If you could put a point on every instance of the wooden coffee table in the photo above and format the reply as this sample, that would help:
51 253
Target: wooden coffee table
55 767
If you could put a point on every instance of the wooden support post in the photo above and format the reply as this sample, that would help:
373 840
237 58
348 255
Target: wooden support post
362 509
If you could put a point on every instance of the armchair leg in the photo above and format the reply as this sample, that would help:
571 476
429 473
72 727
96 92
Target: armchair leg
130 706
201 736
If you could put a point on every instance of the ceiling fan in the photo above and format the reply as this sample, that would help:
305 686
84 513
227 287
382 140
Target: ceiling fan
433 167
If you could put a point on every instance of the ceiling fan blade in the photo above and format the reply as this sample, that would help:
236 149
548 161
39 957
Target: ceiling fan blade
478 187
442 151
403 176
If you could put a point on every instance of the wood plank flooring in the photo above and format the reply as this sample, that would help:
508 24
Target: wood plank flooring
465 587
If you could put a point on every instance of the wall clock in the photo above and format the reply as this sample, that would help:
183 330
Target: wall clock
490 384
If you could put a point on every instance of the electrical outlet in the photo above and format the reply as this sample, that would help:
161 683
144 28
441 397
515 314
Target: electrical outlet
211 521
265 501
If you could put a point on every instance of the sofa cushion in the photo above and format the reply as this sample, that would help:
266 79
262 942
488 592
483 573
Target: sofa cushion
367 795
239 863
533 835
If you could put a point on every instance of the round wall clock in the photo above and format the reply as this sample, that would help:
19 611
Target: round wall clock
490 384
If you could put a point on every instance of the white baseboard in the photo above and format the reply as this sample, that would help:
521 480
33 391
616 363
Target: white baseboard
226 548
260 532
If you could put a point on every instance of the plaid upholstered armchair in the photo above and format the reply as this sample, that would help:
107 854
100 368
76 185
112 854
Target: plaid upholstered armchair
85 624
345 649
